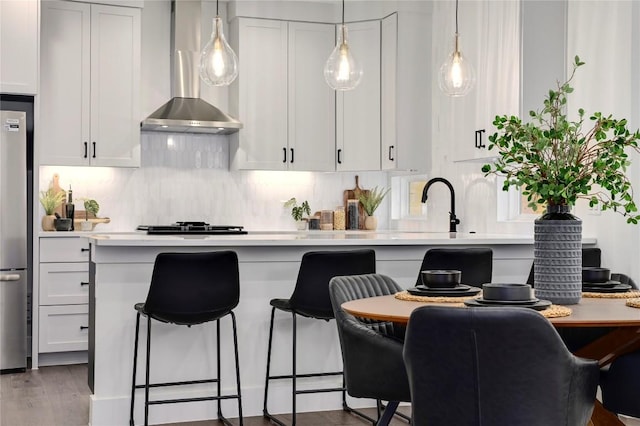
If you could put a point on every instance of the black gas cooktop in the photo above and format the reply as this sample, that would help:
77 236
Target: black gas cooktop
192 228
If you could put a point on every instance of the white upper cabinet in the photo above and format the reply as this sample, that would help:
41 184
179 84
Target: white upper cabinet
312 130
281 97
358 129
490 40
406 92
261 94
90 85
19 46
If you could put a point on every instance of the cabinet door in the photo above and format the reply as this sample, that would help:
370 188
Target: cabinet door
64 328
261 91
492 42
115 86
19 46
389 49
312 102
358 110
64 283
499 93
406 93
459 127
64 83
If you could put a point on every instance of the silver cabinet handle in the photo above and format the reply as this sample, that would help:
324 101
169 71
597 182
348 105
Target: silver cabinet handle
10 277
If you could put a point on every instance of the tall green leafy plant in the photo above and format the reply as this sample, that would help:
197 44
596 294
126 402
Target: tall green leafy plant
50 200
557 161
371 201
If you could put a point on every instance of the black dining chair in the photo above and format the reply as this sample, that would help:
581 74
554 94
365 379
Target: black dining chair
475 264
620 385
310 299
189 289
494 367
371 350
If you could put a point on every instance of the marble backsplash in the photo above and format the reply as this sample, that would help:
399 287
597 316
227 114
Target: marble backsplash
187 177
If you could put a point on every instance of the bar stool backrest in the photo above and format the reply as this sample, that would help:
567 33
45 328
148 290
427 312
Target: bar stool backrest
476 264
311 294
192 288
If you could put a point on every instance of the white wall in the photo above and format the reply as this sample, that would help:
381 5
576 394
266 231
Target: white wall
186 177
608 83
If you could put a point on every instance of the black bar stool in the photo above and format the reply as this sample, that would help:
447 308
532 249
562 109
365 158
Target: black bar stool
476 264
189 289
310 299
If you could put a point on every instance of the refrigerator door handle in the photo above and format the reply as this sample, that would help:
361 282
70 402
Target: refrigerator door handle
10 277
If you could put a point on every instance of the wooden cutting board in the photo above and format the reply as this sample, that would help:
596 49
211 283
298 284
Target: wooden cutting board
353 194
55 188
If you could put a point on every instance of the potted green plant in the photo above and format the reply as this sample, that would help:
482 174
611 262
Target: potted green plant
555 162
370 201
298 212
50 200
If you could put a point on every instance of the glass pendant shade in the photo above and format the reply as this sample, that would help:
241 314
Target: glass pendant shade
456 76
218 62
342 71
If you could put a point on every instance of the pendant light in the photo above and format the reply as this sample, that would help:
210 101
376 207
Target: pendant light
456 76
342 71
218 62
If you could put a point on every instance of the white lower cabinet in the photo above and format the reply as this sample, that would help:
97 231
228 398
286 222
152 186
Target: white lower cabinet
63 328
63 290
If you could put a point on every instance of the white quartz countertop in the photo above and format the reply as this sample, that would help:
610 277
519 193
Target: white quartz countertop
316 238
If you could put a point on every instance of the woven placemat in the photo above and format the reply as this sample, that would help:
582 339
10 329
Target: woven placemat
556 311
634 303
405 295
627 295
553 311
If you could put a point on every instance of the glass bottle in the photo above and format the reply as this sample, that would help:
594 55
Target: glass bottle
70 209
352 214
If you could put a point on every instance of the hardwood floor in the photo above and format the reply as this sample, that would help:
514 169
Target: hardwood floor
59 396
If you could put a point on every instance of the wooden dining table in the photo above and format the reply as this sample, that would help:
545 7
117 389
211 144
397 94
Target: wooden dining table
624 336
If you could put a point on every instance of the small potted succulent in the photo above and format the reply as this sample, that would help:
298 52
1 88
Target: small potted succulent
90 206
50 200
370 201
298 212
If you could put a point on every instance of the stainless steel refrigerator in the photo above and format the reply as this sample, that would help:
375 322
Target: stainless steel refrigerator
14 223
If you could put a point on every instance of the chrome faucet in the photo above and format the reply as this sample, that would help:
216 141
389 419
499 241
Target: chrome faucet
453 220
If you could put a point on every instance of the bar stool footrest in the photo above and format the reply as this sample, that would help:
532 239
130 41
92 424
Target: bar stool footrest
197 399
191 382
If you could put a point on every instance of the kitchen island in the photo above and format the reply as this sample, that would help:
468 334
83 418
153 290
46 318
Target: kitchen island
120 272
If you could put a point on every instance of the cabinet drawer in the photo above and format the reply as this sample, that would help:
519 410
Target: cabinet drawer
64 249
64 283
64 328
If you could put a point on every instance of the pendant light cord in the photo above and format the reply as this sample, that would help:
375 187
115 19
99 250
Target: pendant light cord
217 14
456 16
343 12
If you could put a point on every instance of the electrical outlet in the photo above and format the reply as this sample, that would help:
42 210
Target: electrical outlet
595 210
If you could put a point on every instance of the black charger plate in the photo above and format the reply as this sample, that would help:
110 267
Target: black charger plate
416 291
540 305
459 287
609 283
618 288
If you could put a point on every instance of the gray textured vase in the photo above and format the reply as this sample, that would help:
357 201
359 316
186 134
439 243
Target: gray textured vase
557 256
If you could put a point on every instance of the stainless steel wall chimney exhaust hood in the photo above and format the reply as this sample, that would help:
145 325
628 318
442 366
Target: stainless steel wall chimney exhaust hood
186 112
